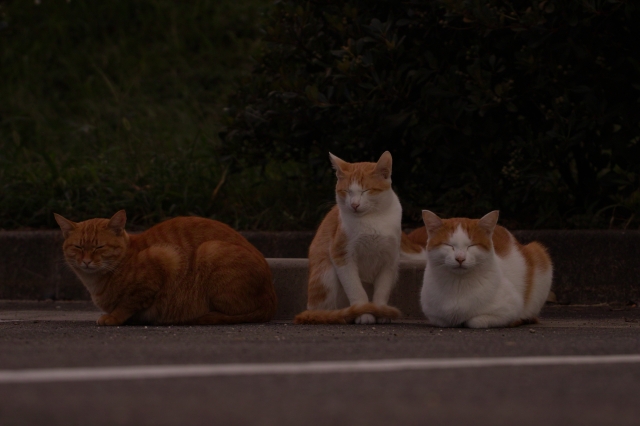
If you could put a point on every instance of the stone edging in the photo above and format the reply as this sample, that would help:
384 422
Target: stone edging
590 267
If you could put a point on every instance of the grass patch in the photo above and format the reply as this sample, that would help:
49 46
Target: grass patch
118 104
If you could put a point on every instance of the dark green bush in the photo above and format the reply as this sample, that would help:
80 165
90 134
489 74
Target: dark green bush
526 106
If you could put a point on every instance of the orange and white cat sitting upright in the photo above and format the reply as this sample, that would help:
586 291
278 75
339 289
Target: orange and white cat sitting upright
358 241
478 275
186 270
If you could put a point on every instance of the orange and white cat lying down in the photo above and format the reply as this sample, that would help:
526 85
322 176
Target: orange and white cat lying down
186 270
478 275
358 241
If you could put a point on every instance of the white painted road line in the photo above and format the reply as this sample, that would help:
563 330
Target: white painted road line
373 366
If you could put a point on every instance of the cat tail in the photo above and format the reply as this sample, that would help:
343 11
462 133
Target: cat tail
216 318
346 315
419 236
412 250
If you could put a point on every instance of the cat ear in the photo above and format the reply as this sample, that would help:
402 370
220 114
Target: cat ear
488 221
340 165
431 221
383 166
117 222
65 224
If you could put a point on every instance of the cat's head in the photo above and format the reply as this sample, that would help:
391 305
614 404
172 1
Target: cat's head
460 244
362 187
95 245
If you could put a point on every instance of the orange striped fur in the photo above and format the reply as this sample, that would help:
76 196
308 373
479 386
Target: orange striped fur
346 315
407 245
186 270
536 256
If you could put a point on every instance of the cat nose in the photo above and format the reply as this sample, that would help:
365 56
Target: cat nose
355 206
460 258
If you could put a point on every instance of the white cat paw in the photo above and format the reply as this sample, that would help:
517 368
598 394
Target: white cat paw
477 323
485 321
383 320
366 319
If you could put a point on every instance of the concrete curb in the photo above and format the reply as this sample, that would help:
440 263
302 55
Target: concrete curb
590 267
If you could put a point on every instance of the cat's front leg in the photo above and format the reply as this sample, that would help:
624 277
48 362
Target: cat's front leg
352 285
382 287
137 299
118 317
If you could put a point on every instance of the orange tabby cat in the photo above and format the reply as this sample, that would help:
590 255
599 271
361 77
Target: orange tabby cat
360 240
186 270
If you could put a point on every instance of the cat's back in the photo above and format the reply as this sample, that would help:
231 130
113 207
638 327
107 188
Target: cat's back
188 233
527 266
533 254
328 230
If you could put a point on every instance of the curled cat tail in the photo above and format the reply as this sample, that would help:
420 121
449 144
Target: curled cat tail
412 250
346 315
419 236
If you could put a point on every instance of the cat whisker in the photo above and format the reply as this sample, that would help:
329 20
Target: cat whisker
60 260
108 267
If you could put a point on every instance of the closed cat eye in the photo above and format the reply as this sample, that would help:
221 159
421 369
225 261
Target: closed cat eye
78 247
99 247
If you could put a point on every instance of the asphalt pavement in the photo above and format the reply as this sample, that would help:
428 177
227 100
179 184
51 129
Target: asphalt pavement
264 374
